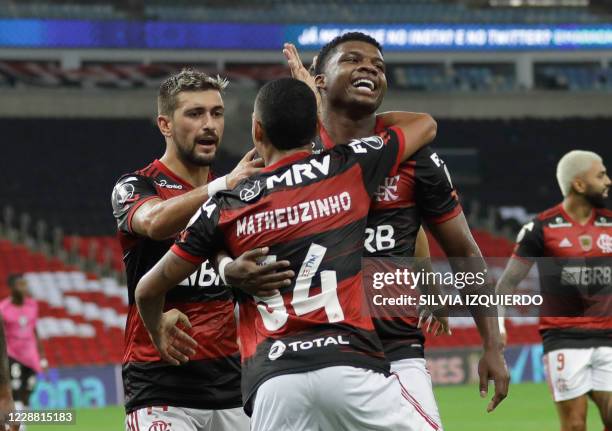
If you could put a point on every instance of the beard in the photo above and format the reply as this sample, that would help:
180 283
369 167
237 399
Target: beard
597 200
189 155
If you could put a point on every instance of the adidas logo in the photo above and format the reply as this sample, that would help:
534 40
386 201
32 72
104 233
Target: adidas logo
565 243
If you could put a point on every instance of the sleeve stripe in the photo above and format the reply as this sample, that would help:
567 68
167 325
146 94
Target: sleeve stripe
446 216
400 151
196 260
135 207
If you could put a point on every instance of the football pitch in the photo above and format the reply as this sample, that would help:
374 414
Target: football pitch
528 408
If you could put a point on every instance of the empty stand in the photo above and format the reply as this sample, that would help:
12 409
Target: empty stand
81 317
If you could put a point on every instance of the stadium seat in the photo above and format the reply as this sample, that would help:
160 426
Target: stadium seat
76 310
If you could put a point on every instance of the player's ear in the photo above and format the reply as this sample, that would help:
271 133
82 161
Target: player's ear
320 81
164 125
258 131
579 185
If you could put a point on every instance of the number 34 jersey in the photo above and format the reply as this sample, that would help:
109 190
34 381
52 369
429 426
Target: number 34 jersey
311 210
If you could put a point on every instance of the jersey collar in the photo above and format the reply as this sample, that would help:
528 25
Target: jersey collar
294 157
570 218
167 172
329 143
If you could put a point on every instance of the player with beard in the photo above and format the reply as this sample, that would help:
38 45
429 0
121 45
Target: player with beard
576 325
311 358
151 206
351 83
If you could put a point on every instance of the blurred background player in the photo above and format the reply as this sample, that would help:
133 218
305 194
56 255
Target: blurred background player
7 404
577 235
151 206
317 363
26 355
350 78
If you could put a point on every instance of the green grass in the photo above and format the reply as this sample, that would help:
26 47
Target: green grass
103 419
529 407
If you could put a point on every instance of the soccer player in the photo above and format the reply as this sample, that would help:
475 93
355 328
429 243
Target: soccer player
351 83
26 355
6 396
151 206
576 236
311 358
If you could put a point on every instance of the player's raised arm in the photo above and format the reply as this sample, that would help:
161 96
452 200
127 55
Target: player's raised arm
298 71
161 219
172 342
419 129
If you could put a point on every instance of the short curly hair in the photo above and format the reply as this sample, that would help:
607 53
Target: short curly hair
185 80
329 47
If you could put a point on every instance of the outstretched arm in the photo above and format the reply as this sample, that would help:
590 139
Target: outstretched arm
419 129
161 219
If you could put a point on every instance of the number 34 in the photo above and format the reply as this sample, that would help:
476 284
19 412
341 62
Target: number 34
272 308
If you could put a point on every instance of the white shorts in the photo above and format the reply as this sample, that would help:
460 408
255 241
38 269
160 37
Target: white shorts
575 372
415 378
336 398
184 419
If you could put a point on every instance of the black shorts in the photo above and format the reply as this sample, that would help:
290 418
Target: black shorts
23 379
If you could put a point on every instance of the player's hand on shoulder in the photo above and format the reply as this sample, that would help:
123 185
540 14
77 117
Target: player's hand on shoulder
172 342
246 167
253 273
418 128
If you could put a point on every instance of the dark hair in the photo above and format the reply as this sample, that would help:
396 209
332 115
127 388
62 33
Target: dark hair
12 279
185 80
329 48
287 111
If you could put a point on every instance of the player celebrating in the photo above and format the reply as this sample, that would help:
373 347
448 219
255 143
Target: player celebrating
311 357
350 81
151 206
576 235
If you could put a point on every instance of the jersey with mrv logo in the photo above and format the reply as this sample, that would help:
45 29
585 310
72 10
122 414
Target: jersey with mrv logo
310 209
575 276
211 379
420 190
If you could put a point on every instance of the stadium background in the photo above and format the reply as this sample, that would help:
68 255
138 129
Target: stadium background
513 84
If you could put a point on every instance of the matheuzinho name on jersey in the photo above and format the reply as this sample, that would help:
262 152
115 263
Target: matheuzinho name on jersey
303 212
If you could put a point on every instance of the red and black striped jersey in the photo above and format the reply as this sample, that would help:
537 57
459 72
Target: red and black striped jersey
421 189
575 276
310 209
211 379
